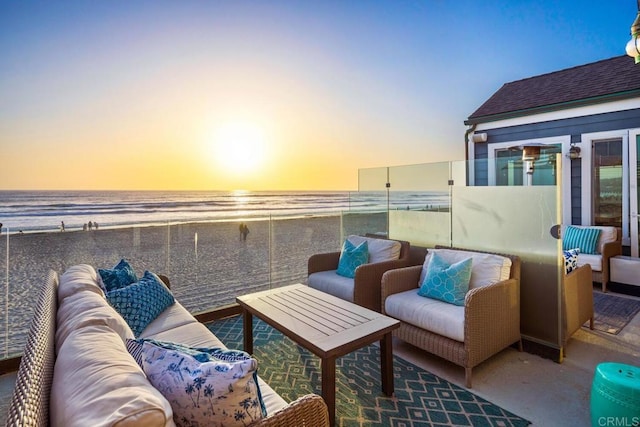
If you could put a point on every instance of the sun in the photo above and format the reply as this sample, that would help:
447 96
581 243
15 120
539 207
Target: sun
240 147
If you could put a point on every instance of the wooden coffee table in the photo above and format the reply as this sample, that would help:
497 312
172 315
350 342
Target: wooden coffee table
327 326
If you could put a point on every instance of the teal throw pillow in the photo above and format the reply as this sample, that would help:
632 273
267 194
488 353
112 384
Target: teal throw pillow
214 386
351 258
118 277
141 302
444 282
586 239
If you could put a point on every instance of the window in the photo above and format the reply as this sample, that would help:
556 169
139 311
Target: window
607 182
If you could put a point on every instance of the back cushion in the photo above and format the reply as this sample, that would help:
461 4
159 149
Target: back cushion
96 382
486 269
379 249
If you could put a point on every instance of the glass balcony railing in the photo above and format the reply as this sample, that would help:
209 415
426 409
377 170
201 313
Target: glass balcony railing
209 263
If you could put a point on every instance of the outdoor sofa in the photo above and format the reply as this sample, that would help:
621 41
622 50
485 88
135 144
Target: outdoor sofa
364 287
76 371
487 321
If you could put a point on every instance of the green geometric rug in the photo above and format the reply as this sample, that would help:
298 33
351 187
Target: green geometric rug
421 398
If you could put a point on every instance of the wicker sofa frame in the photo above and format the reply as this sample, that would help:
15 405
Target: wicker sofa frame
366 292
492 318
30 401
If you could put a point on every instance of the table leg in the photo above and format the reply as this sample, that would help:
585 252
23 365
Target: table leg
247 327
328 367
386 364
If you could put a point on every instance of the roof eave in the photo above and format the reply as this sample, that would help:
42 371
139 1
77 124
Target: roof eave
554 107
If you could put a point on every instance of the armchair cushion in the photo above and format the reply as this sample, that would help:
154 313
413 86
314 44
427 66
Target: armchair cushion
486 268
352 257
595 261
446 282
429 314
331 283
379 249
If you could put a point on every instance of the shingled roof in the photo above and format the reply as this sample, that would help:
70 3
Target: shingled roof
606 80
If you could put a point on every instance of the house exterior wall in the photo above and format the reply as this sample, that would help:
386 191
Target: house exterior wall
528 128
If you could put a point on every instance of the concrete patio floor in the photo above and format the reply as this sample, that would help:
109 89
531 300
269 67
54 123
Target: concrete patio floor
545 392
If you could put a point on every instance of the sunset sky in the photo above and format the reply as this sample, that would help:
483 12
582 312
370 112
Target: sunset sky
266 95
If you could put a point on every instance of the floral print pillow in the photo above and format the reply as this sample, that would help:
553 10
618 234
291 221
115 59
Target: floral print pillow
212 387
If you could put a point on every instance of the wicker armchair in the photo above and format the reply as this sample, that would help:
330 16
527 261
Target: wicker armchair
30 401
366 284
491 318
577 302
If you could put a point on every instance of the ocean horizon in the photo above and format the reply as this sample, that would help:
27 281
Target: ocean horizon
46 211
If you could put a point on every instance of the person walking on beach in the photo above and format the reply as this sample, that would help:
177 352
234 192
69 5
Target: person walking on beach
61 225
244 230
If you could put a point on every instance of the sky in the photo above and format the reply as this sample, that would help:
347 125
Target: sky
266 95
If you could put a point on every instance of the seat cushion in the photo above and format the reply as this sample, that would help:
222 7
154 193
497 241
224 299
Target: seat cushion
331 283
379 249
595 261
486 269
432 315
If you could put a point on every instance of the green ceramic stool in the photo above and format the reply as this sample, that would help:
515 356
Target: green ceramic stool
615 395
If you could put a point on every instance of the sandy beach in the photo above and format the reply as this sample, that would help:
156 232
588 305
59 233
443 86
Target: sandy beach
208 263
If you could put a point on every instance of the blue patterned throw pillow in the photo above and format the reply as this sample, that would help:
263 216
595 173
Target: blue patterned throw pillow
585 239
570 259
205 386
352 257
141 302
118 277
444 282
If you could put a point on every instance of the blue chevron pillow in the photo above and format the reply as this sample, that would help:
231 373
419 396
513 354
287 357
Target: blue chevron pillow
351 258
444 282
141 302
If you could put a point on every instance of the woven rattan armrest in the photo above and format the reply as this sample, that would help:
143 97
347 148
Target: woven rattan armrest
492 318
577 300
306 411
399 280
323 262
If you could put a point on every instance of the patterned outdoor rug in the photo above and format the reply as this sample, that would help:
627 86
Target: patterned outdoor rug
612 312
421 398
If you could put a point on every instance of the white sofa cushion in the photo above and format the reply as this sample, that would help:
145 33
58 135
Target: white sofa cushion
379 249
84 309
171 318
595 261
96 382
436 316
330 282
486 269
78 278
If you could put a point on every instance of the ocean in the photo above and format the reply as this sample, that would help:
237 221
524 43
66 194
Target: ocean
45 211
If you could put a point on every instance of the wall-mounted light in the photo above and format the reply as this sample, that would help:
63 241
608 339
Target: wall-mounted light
479 137
574 151
633 46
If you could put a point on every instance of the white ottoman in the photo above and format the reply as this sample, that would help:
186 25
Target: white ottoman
625 269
